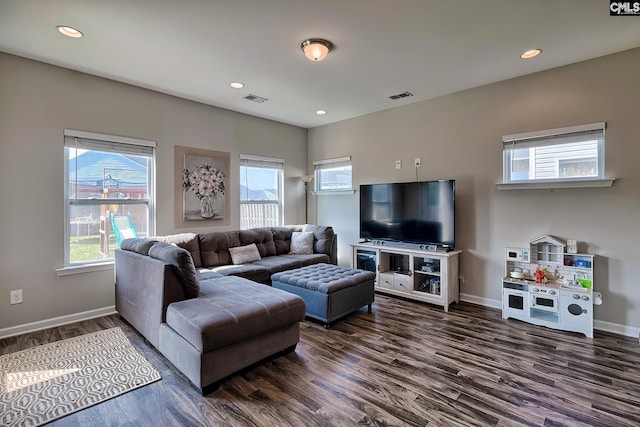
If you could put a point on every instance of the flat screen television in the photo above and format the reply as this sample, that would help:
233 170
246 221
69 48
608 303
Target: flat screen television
409 212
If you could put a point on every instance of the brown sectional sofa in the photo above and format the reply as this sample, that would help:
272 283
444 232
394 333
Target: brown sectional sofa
209 317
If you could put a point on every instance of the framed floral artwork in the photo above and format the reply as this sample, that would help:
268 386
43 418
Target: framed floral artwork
202 182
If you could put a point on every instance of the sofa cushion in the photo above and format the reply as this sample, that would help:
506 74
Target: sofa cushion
308 259
324 235
137 245
301 243
251 271
262 237
188 241
214 247
181 260
205 274
244 254
232 309
323 243
275 264
282 239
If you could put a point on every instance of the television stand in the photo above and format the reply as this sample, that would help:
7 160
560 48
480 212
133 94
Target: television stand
418 274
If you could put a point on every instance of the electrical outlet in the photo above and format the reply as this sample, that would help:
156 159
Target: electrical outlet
16 296
417 160
398 164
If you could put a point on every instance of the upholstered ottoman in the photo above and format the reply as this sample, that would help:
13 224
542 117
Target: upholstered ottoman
329 291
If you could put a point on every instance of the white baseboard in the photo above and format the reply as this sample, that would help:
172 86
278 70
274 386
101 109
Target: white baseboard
485 302
56 321
615 328
599 325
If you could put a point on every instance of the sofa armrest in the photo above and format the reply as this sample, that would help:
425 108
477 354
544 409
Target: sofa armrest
333 255
144 289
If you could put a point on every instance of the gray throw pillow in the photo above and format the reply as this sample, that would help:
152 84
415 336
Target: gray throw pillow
301 243
137 245
244 254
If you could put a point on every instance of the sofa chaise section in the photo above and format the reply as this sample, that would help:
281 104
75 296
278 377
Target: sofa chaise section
233 324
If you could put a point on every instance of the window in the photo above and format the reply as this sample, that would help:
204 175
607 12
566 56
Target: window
108 194
333 174
261 188
568 154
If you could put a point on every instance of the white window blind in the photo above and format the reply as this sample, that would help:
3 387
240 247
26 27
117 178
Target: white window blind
333 174
108 143
261 162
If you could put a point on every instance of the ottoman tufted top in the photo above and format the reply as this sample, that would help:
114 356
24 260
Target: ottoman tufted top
323 278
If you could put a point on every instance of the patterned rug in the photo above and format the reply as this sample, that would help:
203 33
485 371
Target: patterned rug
44 383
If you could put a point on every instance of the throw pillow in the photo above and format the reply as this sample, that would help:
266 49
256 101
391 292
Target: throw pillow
301 243
244 254
137 245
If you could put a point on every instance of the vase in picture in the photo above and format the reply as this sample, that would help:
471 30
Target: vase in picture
206 207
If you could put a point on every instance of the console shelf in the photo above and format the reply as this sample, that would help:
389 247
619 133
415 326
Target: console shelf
428 276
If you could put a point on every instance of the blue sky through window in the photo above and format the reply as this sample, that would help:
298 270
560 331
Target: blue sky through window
259 183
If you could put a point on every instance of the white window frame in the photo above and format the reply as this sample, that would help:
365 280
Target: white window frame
76 139
556 138
321 165
267 163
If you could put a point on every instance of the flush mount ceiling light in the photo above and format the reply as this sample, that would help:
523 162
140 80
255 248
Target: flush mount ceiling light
236 85
69 31
531 53
316 49
321 112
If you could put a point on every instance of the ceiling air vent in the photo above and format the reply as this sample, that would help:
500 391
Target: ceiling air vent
401 95
256 98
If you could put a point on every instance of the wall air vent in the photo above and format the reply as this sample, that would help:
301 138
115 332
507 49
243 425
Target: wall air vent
401 95
256 98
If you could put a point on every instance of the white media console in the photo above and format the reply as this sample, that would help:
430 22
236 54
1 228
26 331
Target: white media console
411 271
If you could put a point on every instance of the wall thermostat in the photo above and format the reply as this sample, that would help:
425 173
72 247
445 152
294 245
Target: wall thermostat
572 246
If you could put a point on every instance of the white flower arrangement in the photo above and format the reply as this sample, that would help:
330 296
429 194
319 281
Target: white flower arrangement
203 181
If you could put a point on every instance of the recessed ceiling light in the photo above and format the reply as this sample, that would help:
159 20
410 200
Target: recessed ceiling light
69 31
531 53
236 85
321 112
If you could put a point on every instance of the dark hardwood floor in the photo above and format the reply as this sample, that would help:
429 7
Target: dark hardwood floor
407 363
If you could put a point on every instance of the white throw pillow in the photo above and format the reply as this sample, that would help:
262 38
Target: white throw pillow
301 243
244 254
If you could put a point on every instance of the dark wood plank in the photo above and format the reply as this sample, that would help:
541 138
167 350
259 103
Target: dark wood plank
407 363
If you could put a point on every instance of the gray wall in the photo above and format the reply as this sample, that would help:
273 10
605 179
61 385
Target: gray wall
38 101
459 137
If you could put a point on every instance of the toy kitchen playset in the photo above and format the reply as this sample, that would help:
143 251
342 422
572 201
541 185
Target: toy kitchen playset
546 286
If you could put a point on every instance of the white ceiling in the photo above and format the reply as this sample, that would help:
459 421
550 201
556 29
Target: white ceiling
194 48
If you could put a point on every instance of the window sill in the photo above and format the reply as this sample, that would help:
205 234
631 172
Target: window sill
333 192
85 268
554 184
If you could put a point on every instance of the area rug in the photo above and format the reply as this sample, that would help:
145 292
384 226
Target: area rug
44 383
